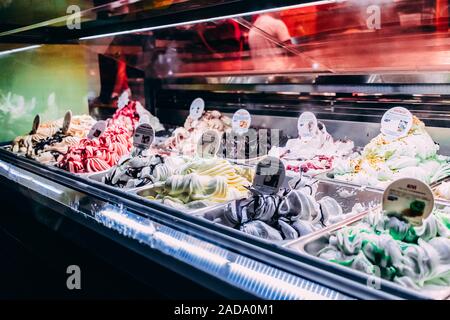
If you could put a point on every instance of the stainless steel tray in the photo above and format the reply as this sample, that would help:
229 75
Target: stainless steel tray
316 241
216 210
90 174
291 173
246 162
347 195
369 199
98 176
217 216
6 147
324 177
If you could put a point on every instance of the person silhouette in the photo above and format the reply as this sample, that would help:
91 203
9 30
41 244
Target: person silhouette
265 37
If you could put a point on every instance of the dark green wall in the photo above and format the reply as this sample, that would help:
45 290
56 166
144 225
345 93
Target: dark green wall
55 77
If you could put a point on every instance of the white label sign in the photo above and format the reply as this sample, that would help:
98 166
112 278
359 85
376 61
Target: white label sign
66 122
396 123
410 199
307 126
208 144
270 175
143 136
241 121
97 130
36 122
123 101
197 108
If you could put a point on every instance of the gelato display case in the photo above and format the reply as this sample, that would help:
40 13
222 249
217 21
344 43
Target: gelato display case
155 126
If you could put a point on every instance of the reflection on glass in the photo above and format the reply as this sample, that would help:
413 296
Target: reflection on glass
358 36
265 37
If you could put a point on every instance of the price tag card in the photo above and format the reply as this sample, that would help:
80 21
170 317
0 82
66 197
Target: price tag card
197 108
208 144
307 126
97 129
270 175
66 122
36 123
396 123
409 199
144 136
123 101
241 121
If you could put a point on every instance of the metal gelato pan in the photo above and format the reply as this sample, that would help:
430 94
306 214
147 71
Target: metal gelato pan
149 191
250 162
327 176
346 196
313 243
98 176
92 175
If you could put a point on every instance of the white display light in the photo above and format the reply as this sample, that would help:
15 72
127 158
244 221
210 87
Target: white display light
2 53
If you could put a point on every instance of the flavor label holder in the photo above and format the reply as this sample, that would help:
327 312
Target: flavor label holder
209 144
97 130
143 138
410 199
197 108
241 121
36 123
307 125
396 122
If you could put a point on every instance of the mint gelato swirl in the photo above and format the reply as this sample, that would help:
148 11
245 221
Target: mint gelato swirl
385 245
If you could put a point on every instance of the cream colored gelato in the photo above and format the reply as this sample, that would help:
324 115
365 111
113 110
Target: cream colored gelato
383 161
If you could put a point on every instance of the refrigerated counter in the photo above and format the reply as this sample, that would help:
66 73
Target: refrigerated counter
346 63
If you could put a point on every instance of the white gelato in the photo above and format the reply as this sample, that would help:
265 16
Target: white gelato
184 139
315 155
443 190
383 160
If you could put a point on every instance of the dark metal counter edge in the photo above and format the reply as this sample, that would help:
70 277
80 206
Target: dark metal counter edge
210 282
